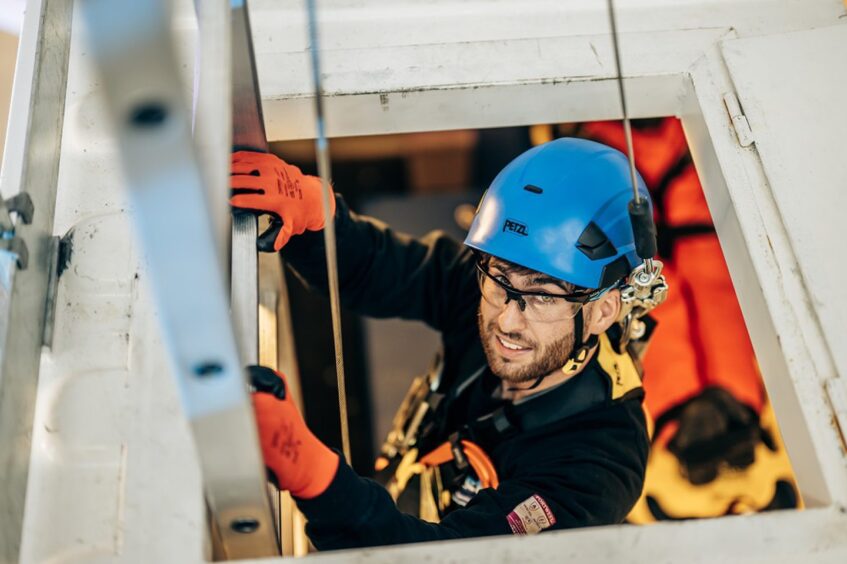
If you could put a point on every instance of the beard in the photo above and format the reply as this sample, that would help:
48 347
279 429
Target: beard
545 360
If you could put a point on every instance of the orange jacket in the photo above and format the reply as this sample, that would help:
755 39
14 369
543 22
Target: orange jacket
702 304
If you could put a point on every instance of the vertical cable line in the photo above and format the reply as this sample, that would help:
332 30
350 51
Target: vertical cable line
626 125
324 171
648 261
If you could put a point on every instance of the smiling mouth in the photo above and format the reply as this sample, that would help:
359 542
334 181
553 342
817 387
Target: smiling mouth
510 346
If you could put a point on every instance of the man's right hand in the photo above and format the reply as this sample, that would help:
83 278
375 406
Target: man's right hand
265 184
297 460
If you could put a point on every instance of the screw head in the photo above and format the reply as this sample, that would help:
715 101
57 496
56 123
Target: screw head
206 369
148 114
245 526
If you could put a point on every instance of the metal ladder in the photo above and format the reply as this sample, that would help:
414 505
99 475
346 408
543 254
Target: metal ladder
179 190
174 213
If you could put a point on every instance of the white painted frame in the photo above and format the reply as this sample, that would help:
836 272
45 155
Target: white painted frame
510 62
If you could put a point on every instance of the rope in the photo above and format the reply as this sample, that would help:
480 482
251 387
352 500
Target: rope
324 171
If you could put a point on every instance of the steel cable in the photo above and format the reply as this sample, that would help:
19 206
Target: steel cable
648 261
324 171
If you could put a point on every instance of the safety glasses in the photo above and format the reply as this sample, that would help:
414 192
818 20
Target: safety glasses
536 306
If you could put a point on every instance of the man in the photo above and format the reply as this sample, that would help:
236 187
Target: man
535 422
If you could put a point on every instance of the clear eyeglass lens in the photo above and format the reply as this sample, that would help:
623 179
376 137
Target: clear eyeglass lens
538 308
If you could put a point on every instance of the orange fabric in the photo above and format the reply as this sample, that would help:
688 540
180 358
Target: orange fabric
656 149
728 358
302 464
482 465
701 339
685 203
264 183
479 461
670 346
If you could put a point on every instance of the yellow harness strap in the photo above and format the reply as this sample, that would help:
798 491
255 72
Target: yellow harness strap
619 367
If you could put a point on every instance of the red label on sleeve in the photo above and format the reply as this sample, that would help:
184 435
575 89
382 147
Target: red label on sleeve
531 516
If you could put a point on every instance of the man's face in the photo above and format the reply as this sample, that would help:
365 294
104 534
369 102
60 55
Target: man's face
519 350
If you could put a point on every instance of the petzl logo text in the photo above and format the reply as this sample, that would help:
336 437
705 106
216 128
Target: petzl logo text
515 227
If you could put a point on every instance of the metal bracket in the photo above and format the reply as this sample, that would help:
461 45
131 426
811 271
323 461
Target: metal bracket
739 121
60 249
20 204
17 247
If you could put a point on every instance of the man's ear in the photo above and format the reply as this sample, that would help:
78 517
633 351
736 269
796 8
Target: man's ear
603 312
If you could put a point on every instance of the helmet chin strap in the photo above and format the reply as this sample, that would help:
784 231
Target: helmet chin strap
578 356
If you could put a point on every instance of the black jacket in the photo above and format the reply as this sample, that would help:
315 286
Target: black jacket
585 469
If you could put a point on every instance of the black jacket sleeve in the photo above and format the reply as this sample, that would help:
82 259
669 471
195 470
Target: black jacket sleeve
595 482
383 273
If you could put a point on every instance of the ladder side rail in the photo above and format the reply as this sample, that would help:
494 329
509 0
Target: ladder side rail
212 112
258 282
248 132
30 167
135 56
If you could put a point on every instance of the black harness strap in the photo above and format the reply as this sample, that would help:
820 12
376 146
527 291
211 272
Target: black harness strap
588 389
661 190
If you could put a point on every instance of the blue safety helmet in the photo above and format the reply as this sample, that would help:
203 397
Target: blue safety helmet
561 209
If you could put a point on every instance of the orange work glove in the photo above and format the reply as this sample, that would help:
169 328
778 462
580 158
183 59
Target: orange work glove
265 184
297 460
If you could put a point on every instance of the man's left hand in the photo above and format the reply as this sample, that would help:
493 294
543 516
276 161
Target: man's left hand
263 183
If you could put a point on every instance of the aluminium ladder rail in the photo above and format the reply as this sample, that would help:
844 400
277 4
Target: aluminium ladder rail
248 132
30 173
258 283
135 57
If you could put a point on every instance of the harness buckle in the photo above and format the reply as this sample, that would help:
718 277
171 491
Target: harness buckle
420 400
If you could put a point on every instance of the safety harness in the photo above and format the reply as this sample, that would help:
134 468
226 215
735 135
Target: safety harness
451 472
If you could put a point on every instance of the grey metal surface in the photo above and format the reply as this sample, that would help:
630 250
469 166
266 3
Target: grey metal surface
8 269
31 164
245 286
248 132
134 53
248 126
257 280
52 290
213 112
5 219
